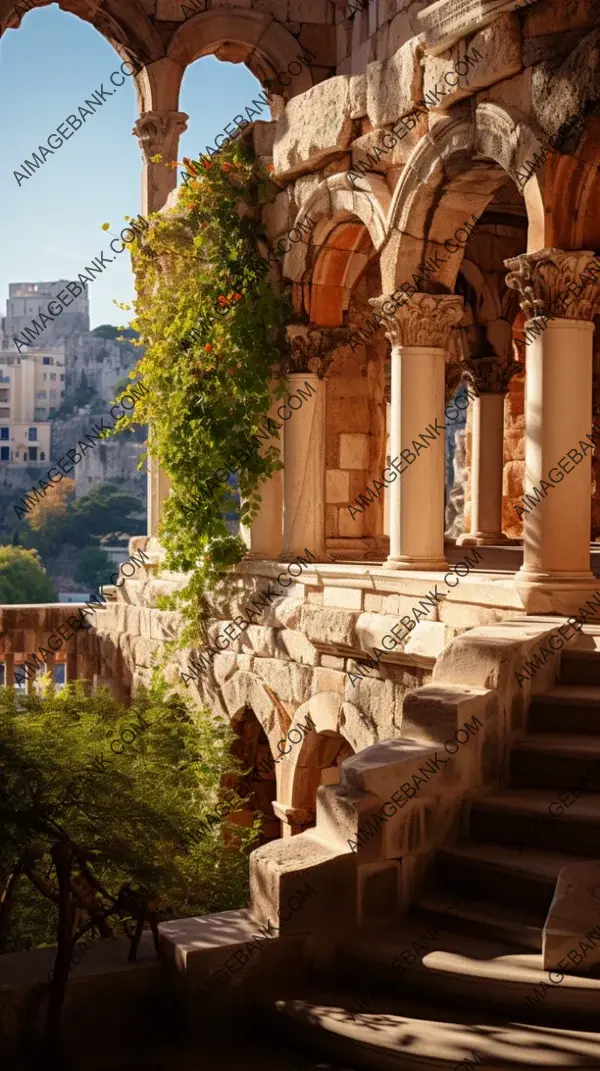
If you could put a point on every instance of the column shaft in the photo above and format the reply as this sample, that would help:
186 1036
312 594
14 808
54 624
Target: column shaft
487 453
264 536
304 471
417 495
558 415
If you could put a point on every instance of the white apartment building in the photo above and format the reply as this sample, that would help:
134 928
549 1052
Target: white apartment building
32 385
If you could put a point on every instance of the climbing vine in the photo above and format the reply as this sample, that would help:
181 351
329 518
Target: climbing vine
210 378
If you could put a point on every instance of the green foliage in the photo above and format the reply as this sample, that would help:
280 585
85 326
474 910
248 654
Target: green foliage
111 332
210 379
102 510
77 398
129 816
93 568
23 578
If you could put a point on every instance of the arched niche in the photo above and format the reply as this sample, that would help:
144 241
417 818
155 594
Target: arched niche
251 747
340 730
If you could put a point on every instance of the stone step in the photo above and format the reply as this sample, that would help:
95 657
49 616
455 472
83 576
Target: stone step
550 819
498 872
566 709
482 918
470 972
556 760
580 667
361 1029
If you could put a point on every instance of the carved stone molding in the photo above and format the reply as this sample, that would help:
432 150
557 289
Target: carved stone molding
159 132
424 320
311 348
491 375
544 278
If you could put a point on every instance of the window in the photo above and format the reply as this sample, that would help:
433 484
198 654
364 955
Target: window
41 394
5 433
45 360
42 455
52 394
32 435
4 395
4 412
62 378
4 453
53 375
33 453
45 376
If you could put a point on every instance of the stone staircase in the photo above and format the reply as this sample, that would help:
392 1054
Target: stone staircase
459 983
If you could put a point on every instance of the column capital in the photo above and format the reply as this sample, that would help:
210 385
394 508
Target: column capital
491 375
312 348
159 132
552 282
423 320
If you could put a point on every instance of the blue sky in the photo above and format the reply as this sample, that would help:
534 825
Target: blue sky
51 222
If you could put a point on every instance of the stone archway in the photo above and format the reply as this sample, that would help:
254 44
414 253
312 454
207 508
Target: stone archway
340 730
251 746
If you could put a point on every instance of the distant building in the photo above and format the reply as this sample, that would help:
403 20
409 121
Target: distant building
27 300
32 385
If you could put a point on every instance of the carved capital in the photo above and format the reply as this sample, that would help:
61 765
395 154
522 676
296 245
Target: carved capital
311 348
159 132
491 375
544 280
423 320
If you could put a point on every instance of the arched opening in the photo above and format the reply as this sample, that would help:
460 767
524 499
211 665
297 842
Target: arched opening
251 747
318 763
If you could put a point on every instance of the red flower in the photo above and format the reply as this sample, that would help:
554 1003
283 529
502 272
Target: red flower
208 347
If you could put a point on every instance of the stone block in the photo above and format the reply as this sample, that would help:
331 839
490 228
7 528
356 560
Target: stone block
350 527
263 137
571 935
275 673
341 815
328 626
337 486
282 869
435 712
499 45
349 598
277 216
354 451
295 646
384 767
379 892
371 629
332 662
358 96
299 139
224 666
284 613
259 639
301 678
394 85
328 680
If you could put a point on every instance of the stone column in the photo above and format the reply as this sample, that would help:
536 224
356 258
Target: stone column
490 377
304 466
304 437
558 416
158 132
419 333
264 536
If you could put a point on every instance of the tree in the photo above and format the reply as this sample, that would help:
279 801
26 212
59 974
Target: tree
50 518
105 833
103 510
93 568
23 578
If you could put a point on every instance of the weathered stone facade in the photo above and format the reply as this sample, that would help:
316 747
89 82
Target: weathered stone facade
446 234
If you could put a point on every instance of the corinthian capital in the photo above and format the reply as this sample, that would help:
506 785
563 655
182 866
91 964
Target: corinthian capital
312 348
159 132
554 283
424 319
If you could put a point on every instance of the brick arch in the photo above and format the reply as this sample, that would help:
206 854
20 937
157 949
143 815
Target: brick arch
245 689
451 176
241 36
350 226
